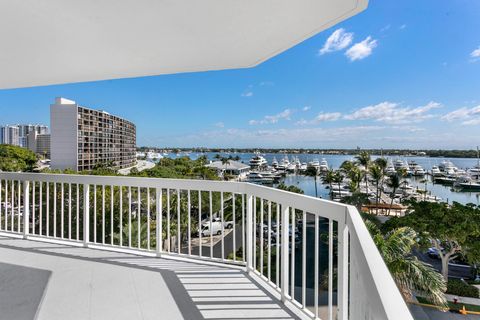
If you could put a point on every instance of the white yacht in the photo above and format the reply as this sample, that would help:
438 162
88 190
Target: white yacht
323 167
390 168
467 184
274 163
436 172
258 162
416 169
284 164
315 164
259 177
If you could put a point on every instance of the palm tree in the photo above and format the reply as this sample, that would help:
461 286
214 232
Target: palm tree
393 183
410 274
382 163
338 178
313 172
377 175
363 158
225 162
329 177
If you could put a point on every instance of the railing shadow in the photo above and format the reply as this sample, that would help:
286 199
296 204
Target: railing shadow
200 290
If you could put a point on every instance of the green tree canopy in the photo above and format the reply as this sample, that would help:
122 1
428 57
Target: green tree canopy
15 159
452 230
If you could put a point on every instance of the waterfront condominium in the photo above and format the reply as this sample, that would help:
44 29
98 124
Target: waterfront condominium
82 138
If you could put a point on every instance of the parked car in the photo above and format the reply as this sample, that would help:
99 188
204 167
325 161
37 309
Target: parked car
215 227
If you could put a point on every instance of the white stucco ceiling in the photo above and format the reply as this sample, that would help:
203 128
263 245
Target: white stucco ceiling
46 42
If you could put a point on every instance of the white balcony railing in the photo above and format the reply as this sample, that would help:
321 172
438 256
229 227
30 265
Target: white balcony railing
317 254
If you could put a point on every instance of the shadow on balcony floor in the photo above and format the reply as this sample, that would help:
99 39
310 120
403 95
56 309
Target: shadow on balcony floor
97 284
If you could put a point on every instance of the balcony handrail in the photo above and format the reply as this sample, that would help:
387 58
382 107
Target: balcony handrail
365 288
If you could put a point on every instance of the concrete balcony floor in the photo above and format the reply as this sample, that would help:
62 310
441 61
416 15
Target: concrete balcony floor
55 281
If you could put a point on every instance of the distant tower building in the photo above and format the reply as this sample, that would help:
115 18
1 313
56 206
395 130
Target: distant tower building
39 143
82 138
9 135
25 129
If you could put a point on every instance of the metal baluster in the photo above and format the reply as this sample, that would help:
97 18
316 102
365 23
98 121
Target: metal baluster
26 208
148 218
178 223
269 240
211 225
243 228
342 270
112 194
316 267
120 191
40 215
33 206
12 209
277 256
159 221
168 221
249 241
304 259
18 207
139 218
86 214
254 233
222 219
54 210
94 213
129 217
292 264
330 269
234 224
69 211
189 226
261 236
62 209
199 223
103 214
77 212
48 210
284 252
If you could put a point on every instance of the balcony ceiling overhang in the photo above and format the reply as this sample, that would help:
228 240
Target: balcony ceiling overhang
47 42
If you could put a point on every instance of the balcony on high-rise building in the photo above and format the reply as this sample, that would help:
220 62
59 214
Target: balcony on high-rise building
98 247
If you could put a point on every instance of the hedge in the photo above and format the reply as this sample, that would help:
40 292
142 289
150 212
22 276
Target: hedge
459 288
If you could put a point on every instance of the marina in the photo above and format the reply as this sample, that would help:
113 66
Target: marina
435 178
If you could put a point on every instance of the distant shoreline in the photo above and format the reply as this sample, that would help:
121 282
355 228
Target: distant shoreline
386 152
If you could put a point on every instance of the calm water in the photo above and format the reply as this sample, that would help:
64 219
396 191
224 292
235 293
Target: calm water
307 184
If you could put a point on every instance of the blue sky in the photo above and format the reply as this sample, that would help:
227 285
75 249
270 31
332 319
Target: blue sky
402 74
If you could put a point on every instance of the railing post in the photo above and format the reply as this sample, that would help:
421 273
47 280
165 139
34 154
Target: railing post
26 208
249 231
159 228
86 214
284 252
343 274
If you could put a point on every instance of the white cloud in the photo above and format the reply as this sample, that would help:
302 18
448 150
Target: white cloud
284 115
321 117
403 26
361 50
388 26
247 94
266 84
471 116
338 40
306 108
220 125
391 112
475 54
